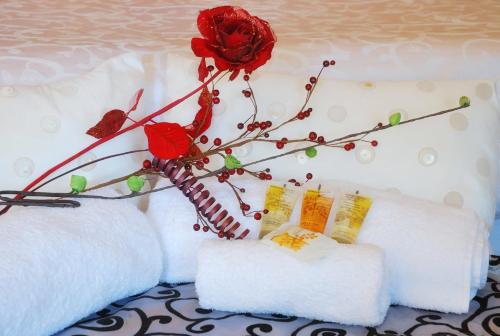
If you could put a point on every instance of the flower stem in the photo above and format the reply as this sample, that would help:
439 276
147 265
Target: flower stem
110 137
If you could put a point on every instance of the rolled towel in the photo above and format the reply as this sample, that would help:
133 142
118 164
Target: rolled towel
434 253
173 216
59 265
347 286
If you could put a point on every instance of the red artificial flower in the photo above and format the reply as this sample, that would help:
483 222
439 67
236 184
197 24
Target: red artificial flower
235 40
167 140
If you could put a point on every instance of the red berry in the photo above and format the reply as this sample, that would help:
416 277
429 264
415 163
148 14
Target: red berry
374 143
187 166
308 87
307 114
221 179
196 227
269 123
215 92
313 80
231 171
332 62
210 68
246 77
225 175
240 171
228 151
269 177
203 139
263 125
221 234
240 126
353 145
217 141
347 147
312 136
205 229
262 176
247 93
300 116
284 140
216 100
297 184
326 63
266 135
309 176
199 165
265 211
206 160
280 145
292 180
146 164
257 216
321 139
250 127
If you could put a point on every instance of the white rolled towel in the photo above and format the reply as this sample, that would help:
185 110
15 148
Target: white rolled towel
59 265
348 286
435 254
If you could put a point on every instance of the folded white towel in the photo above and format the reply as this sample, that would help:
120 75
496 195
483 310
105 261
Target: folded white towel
348 286
173 217
437 255
434 253
60 265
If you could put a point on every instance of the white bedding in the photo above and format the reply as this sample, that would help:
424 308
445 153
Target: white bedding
371 39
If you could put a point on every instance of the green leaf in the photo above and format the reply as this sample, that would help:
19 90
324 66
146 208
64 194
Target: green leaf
231 162
395 119
311 152
78 183
464 101
135 183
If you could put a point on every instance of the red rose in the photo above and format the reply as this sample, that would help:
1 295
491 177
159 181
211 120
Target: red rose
234 39
167 140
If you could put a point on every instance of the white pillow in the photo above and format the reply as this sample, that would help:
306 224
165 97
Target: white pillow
43 125
173 217
57 266
451 159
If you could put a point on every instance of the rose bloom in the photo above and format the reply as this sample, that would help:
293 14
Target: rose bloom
235 39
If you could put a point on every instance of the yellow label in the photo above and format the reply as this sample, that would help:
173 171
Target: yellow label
280 202
294 242
349 218
315 210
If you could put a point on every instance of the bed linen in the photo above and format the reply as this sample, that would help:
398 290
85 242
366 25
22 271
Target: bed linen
371 39
174 310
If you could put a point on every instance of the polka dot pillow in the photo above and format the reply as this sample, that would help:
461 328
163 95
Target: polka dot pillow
43 125
451 159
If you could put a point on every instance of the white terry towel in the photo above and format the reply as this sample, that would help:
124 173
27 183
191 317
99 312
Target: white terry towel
435 254
348 286
60 265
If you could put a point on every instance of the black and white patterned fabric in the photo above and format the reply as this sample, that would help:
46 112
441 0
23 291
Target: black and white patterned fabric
174 310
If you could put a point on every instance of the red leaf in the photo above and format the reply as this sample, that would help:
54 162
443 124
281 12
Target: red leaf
167 140
138 97
202 70
203 118
110 123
